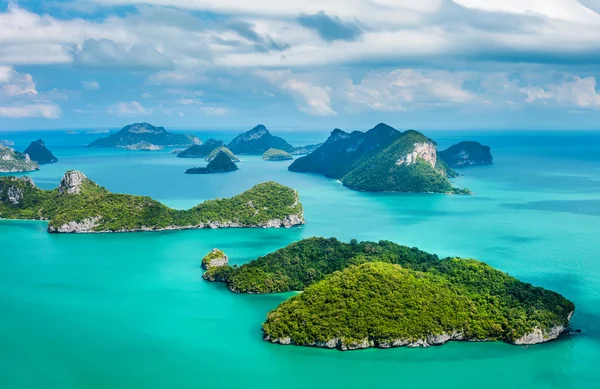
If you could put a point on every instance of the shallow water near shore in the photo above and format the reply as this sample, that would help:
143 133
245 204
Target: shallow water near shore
132 310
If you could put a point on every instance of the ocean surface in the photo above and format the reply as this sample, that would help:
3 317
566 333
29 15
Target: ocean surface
126 311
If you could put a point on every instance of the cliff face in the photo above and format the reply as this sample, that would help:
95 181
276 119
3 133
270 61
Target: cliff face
424 151
467 154
38 152
72 182
257 141
12 161
14 189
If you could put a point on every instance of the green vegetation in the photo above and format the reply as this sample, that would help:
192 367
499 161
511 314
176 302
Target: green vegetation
220 164
144 132
381 160
200 151
216 258
12 161
106 211
257 141
491 304
224 149
276 155
467 154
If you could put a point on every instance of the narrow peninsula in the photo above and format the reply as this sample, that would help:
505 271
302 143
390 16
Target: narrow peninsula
79 205
381 294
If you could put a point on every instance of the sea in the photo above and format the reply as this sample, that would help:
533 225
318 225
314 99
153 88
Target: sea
130 310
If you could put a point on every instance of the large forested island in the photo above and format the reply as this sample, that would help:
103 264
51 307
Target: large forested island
80 205
257 141
12 161
467 153
381 294
382 159
39 153
133 134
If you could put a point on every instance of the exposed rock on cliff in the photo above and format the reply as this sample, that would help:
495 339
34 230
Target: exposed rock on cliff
38 152
257 141
72 182
142 146
467 154
216 258
12 161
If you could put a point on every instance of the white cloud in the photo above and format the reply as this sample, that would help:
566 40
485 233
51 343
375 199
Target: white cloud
91 85
131 108
104 53
402 88
214 111
310 99
13 83
47 111
575 91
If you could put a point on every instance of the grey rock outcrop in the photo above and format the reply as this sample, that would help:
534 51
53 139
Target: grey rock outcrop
216 258
71 182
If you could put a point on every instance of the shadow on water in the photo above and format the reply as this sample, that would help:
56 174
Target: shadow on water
578 207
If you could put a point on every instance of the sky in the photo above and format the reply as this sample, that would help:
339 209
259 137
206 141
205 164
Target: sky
293 64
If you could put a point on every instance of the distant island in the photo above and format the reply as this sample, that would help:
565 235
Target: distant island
381 294
276 155
143 146
220 164
224 149
257 141
382 159
467 154
302 150
201 150
79 205
38 153
12 161
130 136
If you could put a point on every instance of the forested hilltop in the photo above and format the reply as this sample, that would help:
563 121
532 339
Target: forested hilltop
404 296
80 205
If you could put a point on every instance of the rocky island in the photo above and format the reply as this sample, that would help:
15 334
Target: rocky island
221 164
276 155
213 154
467 154
257 141
202 150
381 294
131 135
79 205
12 161
216 258
382 159
38 153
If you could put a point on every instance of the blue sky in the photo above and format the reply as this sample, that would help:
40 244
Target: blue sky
206 64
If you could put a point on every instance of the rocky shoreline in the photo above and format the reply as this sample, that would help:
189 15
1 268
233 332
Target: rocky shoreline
536 336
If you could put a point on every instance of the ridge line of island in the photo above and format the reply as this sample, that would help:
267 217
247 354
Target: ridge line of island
79 205
359 295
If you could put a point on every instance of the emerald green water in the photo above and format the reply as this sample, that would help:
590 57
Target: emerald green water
132 311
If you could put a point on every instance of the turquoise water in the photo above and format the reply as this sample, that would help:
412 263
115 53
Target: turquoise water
131 310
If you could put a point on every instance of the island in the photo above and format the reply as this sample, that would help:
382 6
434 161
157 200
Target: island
12 161
38 153
382 159
224 149
303 150
381 294
202 150
4 142
257 141
216 258
467 153
221 164
133 134
143 146
79 205
276 155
